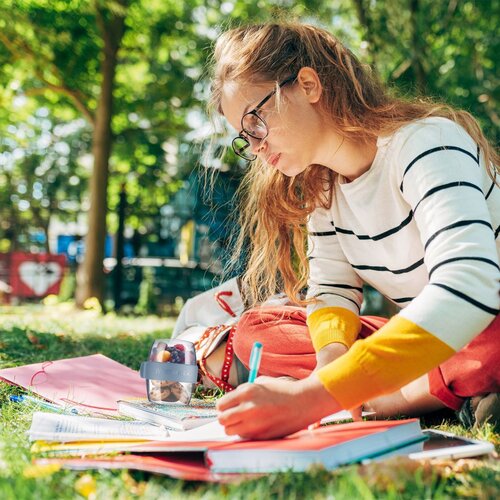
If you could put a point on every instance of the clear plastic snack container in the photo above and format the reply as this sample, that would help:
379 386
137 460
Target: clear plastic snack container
171 371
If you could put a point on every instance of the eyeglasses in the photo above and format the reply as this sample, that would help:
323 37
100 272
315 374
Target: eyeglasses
252 125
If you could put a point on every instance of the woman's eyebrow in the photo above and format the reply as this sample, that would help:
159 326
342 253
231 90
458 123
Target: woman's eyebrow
259 104
245 110
221 111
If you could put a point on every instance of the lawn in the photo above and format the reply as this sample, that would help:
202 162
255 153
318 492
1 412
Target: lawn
31 334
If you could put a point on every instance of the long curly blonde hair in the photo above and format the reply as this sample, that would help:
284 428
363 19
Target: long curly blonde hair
274 208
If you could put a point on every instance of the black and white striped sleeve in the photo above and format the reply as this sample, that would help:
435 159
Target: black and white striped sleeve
442 179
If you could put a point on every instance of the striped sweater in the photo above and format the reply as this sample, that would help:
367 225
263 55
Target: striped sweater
421 226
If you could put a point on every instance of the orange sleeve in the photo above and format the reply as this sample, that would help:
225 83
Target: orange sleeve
333 324
390 358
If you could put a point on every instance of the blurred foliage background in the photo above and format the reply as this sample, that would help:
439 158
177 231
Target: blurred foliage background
100 94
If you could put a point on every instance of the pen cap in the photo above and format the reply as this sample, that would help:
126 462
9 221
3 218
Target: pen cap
171 371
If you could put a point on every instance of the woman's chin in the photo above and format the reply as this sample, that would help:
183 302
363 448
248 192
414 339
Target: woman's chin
290 170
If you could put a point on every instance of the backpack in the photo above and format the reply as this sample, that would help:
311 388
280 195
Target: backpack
208 320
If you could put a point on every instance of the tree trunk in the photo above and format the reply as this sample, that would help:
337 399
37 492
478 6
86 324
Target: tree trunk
362 11
14 228
90 276
418 48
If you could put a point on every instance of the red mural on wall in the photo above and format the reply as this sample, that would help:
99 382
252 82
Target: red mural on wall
35 275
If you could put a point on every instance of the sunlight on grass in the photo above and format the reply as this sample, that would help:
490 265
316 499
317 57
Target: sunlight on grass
38 333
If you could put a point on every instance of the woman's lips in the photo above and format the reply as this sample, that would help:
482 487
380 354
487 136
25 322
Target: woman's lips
274 159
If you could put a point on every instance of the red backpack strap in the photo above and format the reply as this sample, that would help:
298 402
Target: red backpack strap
222 382
212 332
223 304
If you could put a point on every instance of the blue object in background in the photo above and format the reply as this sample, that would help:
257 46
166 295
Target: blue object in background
43 404
108 247
73 247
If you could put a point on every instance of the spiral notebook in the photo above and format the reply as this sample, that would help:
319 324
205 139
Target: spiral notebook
173 416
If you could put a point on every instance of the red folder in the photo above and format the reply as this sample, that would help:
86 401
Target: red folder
90 383
186 466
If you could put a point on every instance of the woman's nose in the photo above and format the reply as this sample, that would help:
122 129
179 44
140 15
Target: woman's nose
257 145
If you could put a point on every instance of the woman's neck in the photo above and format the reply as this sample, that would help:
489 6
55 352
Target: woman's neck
348 158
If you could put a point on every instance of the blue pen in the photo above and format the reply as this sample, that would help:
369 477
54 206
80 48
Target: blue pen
43 404
254 364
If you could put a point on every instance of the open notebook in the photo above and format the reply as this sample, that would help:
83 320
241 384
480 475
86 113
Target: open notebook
173 416
198 412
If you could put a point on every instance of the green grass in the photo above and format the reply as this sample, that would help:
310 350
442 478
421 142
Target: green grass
34 334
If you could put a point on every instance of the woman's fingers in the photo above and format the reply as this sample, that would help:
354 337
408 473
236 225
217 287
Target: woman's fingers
247 428
264 380
237 413
254 428
356 414
234 398
230 417
247 411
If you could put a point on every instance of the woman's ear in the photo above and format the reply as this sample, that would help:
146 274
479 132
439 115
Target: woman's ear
309 82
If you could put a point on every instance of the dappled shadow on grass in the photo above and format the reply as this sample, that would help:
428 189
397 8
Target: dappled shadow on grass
438 417
21 346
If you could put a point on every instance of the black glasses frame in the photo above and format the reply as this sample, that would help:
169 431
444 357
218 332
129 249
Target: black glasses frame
244 134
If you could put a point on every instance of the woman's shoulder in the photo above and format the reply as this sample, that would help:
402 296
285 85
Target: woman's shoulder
422 138
428 133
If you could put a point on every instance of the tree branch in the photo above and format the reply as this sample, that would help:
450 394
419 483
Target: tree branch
72 94
76 96
111 31
162 124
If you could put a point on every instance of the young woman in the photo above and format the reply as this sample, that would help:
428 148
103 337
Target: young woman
395 193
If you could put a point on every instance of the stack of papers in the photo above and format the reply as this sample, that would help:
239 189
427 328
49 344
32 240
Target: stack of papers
63 428
329 446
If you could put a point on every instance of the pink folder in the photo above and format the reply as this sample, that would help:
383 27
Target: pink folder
89 383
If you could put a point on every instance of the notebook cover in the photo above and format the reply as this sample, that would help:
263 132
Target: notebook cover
318 439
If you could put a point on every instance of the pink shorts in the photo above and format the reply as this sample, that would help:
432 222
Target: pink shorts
473 371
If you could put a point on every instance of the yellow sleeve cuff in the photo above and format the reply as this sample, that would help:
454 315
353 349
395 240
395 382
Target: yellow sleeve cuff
333 324
390 358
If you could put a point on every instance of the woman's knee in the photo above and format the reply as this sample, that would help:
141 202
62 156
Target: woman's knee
282 330
246 331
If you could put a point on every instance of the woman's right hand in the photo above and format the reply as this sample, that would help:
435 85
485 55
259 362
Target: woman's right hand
273 407
327 355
